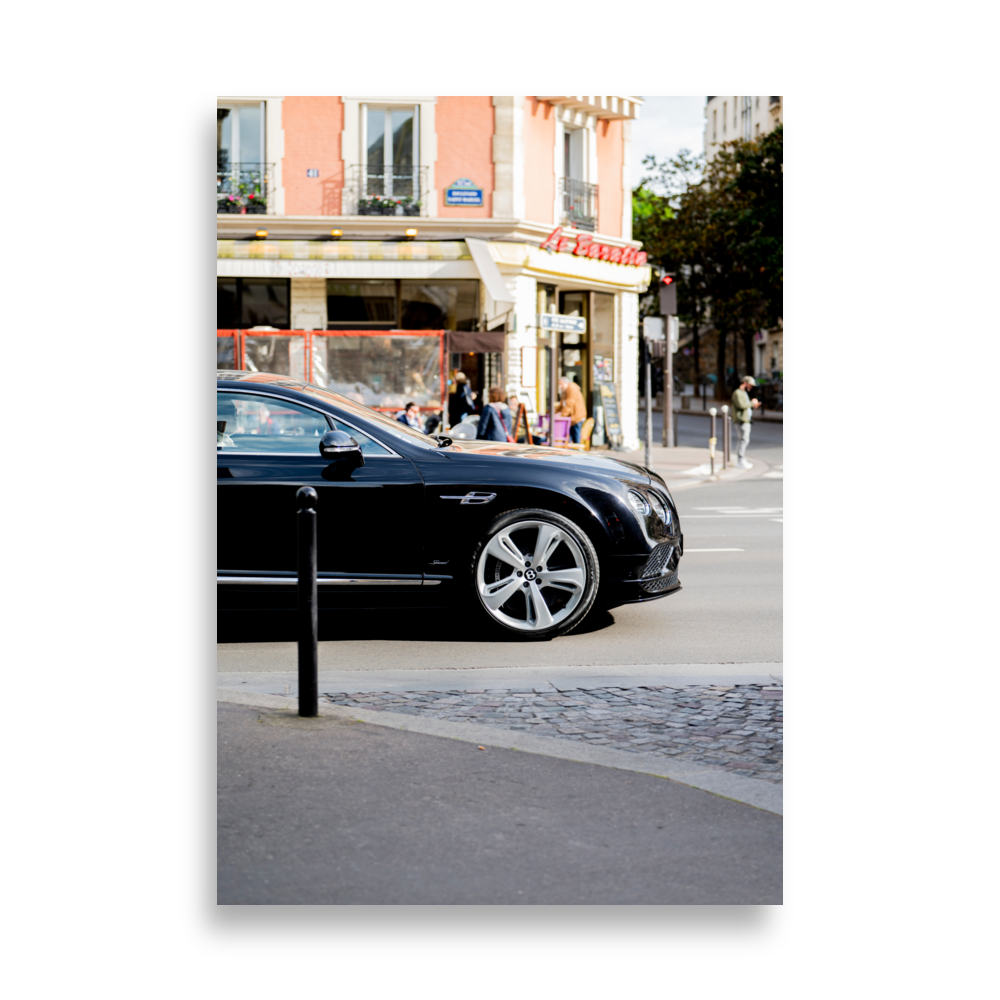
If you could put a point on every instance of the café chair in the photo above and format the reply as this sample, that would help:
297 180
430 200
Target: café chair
585 432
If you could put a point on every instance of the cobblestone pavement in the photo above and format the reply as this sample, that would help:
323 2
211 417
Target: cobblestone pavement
729 728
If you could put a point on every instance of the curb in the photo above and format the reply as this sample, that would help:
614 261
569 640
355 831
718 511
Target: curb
750 791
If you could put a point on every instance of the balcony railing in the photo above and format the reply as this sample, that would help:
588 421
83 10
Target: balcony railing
385 191
579 203
244 189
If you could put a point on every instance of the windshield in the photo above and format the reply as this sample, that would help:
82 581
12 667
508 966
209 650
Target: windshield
386 425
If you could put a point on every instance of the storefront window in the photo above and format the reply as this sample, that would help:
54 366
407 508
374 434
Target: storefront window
265 302
227 304
246 302
225 350
426 305
388 371
360 303
277 354
434 306
602 337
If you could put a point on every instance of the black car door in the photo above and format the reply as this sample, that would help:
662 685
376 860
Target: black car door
368 518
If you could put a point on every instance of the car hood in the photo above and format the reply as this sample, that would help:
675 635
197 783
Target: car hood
584 461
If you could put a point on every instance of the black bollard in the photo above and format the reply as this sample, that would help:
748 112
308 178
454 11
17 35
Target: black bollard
308 619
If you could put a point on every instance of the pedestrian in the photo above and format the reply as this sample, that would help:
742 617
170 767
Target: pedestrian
463 400
571 405
743 407
492 426
410 416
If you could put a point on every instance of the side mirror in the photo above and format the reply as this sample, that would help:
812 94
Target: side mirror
336 446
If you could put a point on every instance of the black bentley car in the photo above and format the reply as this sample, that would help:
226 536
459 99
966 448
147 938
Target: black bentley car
529 538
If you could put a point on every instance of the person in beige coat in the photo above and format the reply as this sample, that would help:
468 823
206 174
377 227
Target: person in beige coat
571 405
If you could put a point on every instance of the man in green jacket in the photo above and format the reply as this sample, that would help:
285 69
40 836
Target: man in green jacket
743 407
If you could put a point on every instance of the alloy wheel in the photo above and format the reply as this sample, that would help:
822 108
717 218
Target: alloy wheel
531 575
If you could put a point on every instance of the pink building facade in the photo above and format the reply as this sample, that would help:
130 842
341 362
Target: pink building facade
504 221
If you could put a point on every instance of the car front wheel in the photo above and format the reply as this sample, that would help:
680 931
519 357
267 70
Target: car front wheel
535 573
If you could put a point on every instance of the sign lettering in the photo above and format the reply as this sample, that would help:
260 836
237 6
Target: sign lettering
586 247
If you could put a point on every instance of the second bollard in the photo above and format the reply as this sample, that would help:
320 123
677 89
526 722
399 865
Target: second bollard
711 441
308 620
725 436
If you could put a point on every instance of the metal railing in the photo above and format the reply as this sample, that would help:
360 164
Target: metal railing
579 203
385 191
244 188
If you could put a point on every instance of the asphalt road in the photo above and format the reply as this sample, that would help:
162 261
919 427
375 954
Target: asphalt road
693 431
729 611
326 811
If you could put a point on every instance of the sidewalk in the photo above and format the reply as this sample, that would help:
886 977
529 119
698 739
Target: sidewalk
686 466
358 807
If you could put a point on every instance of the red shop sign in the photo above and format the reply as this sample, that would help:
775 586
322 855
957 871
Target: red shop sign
586 247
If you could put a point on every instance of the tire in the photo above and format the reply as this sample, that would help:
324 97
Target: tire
561 585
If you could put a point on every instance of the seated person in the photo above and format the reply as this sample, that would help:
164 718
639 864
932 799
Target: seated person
410 416
226 424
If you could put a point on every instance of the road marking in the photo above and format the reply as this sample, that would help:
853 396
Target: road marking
737 509
780 520
773 475
686 551
690 517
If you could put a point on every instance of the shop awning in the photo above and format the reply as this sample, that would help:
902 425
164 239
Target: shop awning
476 341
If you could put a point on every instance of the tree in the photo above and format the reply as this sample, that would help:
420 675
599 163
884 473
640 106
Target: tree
717 226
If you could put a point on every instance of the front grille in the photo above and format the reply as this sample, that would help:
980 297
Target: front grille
664 583
657 561
659 573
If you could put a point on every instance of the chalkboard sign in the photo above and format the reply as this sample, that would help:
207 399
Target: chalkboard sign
609 401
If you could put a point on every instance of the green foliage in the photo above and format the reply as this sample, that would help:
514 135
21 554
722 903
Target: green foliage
718 227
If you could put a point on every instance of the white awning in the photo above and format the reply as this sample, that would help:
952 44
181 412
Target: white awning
489 272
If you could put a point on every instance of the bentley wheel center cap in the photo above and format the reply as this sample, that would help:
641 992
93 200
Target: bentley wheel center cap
530 574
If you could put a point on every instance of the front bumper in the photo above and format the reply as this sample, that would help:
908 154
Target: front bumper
633 579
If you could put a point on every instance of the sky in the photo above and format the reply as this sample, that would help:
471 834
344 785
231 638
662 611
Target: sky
666 125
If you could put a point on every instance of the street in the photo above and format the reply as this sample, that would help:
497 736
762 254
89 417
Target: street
729 611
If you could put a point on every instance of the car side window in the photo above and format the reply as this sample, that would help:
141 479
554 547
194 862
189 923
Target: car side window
368 445
247 422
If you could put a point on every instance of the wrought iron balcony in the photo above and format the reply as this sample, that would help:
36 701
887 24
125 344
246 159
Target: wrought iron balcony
385 191
579 203
244 188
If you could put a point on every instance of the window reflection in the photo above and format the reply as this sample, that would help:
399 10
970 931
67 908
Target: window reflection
251 423
361 302
435 306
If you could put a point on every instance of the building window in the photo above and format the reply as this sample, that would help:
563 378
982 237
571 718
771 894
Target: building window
756 131
391 152
242 177
242 303
725 115
715 124
574 158
747 114
240 136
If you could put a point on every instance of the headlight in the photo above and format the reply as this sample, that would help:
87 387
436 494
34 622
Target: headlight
639 503
660 508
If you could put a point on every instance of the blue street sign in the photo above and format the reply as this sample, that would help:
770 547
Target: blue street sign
312 172
463 192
